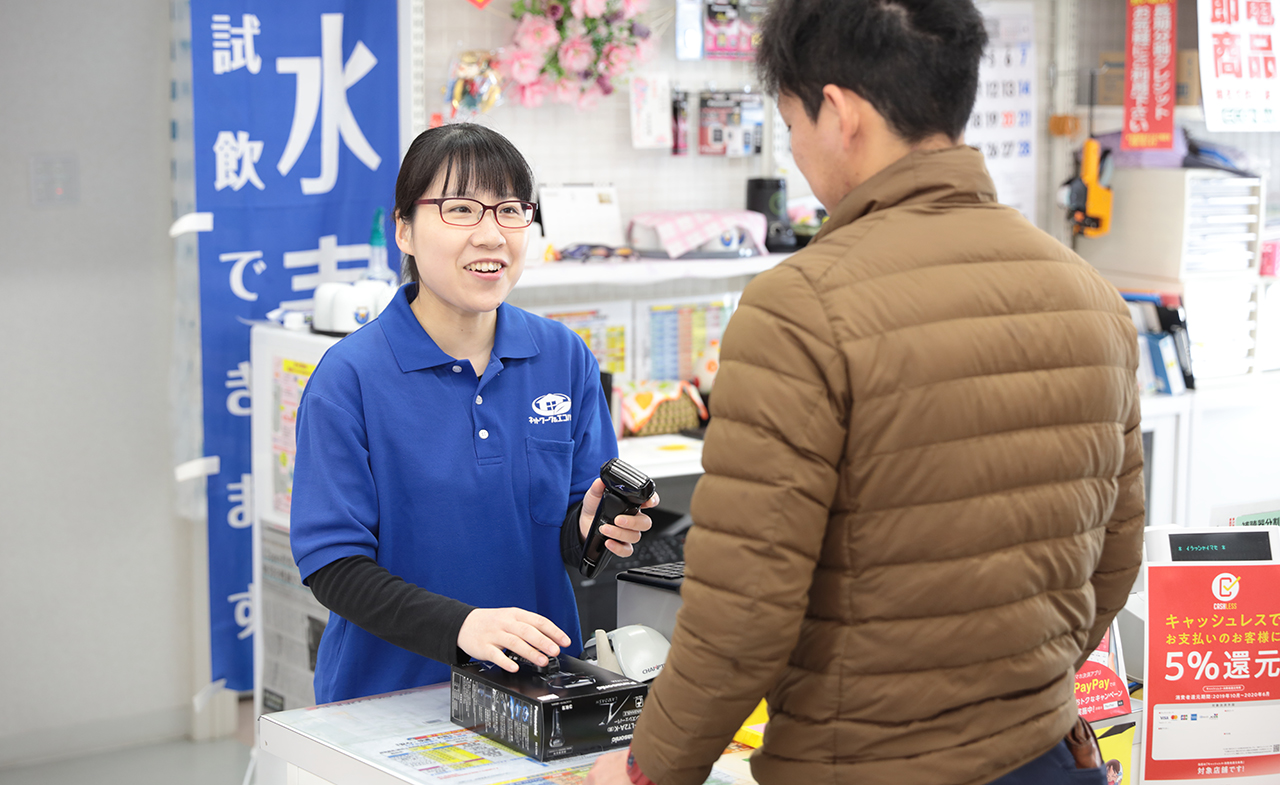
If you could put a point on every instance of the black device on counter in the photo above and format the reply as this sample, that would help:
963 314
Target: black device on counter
625 489
566 707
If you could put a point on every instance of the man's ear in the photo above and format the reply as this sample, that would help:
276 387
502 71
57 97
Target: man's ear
846 108
404 235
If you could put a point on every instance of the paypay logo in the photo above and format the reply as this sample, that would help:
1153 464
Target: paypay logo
551 404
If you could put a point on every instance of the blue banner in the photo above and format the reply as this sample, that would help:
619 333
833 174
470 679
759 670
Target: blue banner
296 108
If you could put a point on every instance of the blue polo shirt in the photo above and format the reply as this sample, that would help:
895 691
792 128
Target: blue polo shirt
456 484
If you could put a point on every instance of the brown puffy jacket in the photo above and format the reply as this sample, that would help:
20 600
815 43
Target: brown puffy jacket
923 500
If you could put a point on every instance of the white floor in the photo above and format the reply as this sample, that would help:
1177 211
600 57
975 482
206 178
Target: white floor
221 762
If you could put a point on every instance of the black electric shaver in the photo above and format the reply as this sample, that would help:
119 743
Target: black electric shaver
625 489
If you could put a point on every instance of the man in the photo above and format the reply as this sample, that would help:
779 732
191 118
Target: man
923 500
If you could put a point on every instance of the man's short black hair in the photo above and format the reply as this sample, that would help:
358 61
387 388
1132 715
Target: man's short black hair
915 61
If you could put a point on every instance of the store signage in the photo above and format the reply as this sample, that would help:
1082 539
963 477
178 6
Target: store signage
1212 695
296 135
1238 78
1149 77
1101 691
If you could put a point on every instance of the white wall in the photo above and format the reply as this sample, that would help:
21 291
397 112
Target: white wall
567 145
95 592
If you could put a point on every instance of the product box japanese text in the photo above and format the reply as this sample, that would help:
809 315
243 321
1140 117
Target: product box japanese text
579 709
1110 75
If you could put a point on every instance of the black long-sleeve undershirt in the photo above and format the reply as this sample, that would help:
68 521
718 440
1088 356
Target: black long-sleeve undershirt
368 595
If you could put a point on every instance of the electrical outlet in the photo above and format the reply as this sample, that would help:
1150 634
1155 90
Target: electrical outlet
54 180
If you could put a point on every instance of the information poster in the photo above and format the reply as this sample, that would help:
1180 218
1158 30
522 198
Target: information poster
1116 745
1149 83
670 335
1212 695
288 380
1238 65
605 327
1003 122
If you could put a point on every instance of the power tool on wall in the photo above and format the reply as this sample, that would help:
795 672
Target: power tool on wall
1087 195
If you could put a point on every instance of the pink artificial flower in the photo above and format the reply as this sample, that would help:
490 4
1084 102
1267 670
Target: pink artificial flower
615 59
536 33
631 8
585 8
555 11
522 65
644 50
566 91
531 95
576 54
606 87
590 96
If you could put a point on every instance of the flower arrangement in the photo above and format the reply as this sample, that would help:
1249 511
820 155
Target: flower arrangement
573 51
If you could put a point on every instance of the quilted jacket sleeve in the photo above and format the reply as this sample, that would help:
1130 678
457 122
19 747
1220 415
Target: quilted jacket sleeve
777 434
1122 551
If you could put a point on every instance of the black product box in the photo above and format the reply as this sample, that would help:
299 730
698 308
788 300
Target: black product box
579 709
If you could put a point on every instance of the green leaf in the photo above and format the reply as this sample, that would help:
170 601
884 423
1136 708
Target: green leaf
518 9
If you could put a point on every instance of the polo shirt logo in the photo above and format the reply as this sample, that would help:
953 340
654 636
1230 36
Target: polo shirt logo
552 407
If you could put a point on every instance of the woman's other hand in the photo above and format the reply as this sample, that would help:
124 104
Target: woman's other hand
624 531
487 631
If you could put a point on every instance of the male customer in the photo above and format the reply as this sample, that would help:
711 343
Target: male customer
923 494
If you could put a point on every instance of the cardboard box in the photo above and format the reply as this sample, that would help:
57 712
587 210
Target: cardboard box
1186 78
581 709
1110 79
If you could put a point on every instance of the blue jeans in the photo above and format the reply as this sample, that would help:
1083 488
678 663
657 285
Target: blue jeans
1055 767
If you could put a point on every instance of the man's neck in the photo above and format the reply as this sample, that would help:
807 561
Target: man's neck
891 150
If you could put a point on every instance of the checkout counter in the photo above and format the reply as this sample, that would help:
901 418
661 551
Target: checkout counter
406 737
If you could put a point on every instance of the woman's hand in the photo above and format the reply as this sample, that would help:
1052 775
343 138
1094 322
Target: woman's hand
624 531
487 631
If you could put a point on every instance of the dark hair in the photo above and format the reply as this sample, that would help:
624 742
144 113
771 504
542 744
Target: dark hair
915 61
1113 765
470 158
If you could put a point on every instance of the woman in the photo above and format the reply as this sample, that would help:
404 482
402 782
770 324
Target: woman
439 447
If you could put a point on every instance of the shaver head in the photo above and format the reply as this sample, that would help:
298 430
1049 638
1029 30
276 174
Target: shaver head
623 479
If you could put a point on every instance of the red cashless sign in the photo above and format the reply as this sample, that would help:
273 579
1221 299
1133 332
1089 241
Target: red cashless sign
1212 695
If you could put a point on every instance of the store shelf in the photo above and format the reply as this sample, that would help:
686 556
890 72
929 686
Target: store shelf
642 272
1107 119
1160 405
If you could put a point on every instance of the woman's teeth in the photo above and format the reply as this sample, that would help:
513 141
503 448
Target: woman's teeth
484 267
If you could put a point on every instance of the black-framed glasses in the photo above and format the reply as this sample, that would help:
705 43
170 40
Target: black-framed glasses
461 211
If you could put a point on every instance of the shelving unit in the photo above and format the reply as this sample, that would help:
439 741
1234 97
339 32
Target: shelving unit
645 271
1197 233
1108 119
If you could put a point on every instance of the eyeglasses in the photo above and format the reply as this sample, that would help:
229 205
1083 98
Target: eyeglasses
460 211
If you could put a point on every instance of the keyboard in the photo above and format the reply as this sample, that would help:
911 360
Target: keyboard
664 576
654 550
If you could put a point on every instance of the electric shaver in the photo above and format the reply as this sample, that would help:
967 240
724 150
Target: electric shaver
625 489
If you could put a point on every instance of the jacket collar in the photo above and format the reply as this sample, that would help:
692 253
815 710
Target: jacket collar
956 174
414 349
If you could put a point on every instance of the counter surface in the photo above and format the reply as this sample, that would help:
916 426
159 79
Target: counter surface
406 737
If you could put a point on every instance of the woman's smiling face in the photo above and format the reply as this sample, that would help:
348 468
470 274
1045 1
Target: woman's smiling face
467 269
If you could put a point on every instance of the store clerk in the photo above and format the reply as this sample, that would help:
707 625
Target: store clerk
439 447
